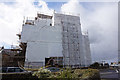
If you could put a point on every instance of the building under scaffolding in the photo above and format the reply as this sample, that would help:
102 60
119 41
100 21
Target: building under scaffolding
11 57
56 36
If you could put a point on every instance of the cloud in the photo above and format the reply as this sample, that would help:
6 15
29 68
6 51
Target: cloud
72 6
12 15
44 8
102 23
100 19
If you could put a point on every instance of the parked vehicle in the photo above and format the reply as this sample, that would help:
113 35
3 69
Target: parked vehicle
12 70
53 69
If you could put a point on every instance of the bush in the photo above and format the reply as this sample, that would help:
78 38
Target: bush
87 74
66 73
42 73
81 74
95 65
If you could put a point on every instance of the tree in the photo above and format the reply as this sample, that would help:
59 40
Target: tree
95 65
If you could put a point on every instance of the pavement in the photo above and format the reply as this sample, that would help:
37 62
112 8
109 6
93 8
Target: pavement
110 74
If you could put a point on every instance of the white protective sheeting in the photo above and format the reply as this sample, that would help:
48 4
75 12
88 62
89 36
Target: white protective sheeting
59 36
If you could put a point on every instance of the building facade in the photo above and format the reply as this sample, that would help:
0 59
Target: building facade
58 35
11 58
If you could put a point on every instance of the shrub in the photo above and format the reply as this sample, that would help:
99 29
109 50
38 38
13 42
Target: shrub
95 65
89 74
81 74
42 73
66 73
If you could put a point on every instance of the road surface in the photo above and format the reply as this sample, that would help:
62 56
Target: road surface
111 74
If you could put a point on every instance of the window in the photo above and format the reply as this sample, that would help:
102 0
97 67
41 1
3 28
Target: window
50 24
11 70
4 69
17 70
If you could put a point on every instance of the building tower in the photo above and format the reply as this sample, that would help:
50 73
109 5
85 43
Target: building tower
56 36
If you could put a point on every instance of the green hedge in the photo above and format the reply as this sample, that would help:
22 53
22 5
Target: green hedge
77 74
87 74
66 74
